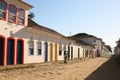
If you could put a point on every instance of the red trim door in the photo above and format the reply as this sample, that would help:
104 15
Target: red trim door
2 50
11 51
20 51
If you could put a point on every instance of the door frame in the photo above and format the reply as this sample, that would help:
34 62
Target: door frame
51 51
46 51
56 52
71 52
13 58
4 47
22 51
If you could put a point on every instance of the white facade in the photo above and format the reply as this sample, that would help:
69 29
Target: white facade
23 44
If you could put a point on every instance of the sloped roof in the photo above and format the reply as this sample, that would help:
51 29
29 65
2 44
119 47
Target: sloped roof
33 24
84 35
84 43
80 41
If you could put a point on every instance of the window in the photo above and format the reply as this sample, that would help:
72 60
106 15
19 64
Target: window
12 13
39 47
64 49
3 9
21 16
31 47
60 49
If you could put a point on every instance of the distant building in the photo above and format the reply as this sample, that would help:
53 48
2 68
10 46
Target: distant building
97 44
117 48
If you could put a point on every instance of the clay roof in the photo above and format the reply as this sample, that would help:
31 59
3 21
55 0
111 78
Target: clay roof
33 24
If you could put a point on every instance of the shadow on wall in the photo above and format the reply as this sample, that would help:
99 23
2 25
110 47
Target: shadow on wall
108 71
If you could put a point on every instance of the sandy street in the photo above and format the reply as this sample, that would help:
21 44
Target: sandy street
73 70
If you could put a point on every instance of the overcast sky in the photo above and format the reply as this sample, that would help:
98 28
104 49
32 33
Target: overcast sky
100 18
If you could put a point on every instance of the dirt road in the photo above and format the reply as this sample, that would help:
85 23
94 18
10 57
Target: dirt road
73 70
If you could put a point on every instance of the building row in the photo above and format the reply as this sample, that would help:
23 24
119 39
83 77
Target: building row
23 41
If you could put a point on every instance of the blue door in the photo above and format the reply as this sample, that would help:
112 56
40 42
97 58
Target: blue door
19 51
71 53
46 51
1 50
10 51
68 53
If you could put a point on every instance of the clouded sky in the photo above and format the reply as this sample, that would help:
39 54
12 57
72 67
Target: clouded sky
100 18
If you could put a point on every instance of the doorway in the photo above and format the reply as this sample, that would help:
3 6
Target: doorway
20 51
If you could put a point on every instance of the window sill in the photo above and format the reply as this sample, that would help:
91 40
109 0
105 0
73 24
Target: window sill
21 24
39 55
3 19
12 21
30 54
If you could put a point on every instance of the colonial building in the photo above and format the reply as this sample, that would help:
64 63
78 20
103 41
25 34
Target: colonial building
13 18
48 45
96 43
117 49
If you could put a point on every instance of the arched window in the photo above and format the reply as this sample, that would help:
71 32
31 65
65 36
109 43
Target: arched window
21 16
12 13
3 9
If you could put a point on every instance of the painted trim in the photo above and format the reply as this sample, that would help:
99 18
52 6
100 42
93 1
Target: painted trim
15 14
4 46
14 53
6 10
22 50
56 52
18 17
46 51
51 51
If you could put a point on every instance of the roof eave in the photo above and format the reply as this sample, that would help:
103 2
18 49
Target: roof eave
26 4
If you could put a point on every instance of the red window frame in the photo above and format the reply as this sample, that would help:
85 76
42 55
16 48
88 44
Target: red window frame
11 14
19 17
5 12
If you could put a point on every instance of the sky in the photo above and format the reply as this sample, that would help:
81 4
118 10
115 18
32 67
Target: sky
100 18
